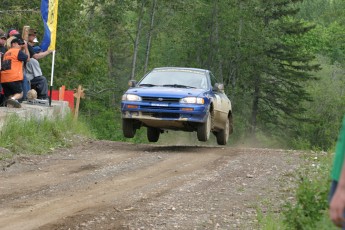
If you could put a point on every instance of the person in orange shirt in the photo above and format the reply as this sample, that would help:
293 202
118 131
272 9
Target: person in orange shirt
12 71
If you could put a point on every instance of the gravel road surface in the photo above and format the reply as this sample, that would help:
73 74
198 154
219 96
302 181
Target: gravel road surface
115 185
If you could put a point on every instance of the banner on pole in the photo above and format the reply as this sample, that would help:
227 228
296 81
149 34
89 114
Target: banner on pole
49 12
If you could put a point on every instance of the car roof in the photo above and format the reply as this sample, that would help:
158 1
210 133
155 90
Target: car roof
180 69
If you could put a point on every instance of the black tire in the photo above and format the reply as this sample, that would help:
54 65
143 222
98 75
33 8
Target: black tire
223 135
204 129
128 128
153 134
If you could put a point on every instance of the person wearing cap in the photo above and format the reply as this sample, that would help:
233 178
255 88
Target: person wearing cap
32 39
12 71
11 34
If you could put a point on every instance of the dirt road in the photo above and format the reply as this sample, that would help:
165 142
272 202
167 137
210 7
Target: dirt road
114 185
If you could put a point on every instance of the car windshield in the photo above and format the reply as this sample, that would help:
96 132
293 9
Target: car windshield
175 78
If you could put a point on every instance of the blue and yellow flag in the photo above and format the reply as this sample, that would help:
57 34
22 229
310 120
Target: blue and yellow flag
49 11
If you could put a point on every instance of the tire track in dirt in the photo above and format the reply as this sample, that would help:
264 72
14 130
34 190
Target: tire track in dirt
95 177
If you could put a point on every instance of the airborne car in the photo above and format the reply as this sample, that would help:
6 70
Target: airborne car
172 98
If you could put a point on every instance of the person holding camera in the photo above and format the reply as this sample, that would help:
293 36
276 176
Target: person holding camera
12 34
12 71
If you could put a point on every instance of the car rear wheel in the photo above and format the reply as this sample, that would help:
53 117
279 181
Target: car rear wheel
223 135
153 134
128 128
204 129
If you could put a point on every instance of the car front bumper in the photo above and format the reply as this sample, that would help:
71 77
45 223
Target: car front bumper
145 111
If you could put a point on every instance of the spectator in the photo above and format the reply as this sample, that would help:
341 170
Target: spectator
337 191
37 80
12 71
32 40
11 34
3 38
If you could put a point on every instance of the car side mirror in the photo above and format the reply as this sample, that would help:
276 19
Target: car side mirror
132 83
218 87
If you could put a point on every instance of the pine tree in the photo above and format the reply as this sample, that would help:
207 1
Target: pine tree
282 66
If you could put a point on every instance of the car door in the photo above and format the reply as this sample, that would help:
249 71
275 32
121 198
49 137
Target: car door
221 103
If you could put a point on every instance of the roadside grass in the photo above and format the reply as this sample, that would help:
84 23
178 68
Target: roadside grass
35 136
309 209
270 221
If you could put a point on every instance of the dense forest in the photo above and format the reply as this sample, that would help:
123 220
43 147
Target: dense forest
282 61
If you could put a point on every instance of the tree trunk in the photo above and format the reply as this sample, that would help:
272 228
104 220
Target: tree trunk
211 54
255 108
148 47
111 71
218 54
256 94
214 52
136 44
238 52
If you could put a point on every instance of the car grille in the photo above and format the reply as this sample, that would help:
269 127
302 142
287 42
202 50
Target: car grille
159 107
162 115
161 99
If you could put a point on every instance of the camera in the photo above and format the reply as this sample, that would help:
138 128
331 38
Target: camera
21 42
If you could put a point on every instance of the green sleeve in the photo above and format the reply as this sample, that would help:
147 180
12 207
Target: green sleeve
339 154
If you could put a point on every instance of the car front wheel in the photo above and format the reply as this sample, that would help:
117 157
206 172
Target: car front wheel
128 128
204 129
153 134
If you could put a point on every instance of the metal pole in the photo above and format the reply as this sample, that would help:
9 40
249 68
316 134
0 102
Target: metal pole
51 80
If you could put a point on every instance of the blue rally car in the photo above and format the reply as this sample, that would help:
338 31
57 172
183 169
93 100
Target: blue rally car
172 98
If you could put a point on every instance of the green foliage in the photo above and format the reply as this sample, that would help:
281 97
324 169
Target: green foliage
311 194
15 14
283 67
309 210
328 38
39 136
107 124
322 11
325 222
270 221
325 118
260 50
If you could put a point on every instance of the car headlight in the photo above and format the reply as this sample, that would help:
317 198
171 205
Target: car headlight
131 97
193 100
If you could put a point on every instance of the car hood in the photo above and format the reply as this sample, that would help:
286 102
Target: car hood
165 92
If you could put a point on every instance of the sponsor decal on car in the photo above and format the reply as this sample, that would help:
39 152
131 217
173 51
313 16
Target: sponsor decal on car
160 104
